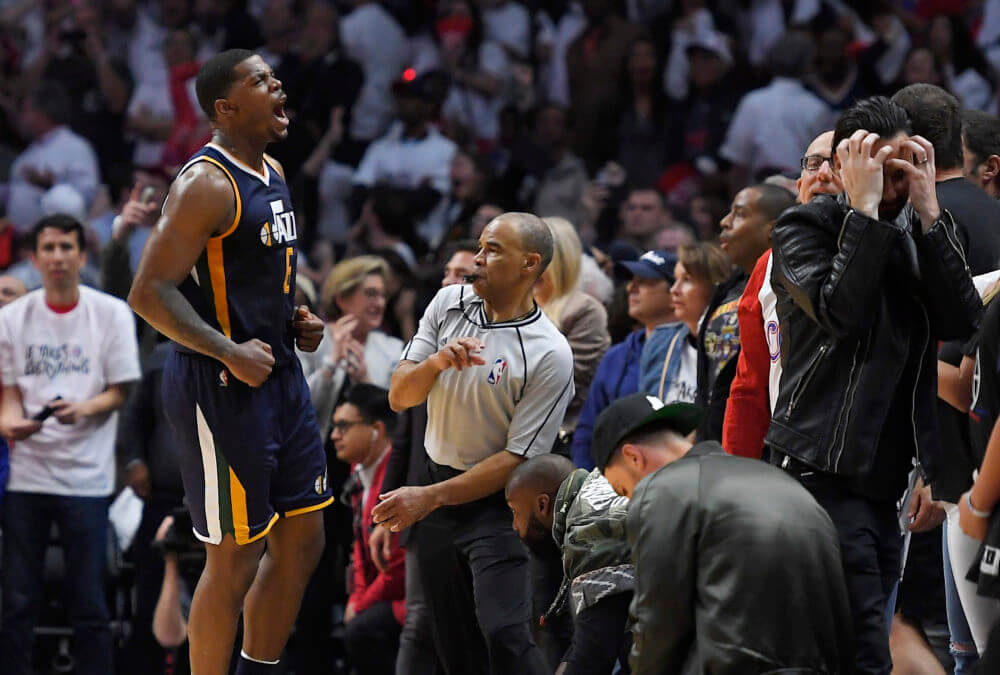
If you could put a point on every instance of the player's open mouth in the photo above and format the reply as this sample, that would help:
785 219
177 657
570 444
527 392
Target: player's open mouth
279 113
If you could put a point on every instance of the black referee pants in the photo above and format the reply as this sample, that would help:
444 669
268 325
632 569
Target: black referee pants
475 572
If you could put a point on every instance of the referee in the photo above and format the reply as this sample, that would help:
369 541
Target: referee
497 376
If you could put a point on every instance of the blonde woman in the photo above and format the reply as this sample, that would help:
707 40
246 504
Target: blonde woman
354 350
577 315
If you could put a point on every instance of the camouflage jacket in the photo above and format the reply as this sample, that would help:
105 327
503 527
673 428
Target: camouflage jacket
589 527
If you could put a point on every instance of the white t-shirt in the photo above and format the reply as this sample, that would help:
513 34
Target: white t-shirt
684 387
515 402
76 355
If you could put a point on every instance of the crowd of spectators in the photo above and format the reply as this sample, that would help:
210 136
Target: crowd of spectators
660 141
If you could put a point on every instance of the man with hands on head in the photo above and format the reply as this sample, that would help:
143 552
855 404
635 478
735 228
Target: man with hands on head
866 283
497 376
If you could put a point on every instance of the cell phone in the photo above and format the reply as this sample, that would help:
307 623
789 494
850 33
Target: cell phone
147 194
47 411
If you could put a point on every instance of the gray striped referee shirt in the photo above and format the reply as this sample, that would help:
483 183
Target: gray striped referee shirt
515 402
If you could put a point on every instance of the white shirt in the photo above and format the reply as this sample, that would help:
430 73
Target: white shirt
407 163
76 355
684 387
373 38
553 75
773 125
766 24
516 402
71 160
510 26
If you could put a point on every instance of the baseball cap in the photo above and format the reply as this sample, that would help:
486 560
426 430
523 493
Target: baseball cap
634 412
650 265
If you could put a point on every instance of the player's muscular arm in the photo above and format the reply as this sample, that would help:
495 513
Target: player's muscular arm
200 205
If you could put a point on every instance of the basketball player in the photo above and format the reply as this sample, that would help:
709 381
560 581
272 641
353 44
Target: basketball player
218 278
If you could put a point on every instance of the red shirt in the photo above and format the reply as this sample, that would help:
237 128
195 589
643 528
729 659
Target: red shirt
748 411
370 586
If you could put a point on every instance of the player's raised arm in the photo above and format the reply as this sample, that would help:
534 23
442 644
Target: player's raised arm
201 204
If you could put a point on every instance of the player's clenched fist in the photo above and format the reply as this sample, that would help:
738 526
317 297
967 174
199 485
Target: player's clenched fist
460 353
251 362
308 329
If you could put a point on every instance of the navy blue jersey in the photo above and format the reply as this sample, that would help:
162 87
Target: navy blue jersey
244 281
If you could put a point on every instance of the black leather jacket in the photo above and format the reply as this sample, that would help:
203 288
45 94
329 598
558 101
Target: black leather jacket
861 303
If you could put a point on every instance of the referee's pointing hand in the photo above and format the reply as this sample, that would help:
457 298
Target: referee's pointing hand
460 353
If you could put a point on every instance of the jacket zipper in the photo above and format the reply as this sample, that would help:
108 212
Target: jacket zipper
916 383
800 388
853 380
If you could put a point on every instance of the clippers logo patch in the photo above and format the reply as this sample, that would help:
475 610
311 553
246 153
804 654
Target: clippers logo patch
496 373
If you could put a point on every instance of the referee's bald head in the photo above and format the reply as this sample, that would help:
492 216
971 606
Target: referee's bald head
536 237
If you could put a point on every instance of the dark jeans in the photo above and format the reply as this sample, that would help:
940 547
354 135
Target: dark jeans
83 531
371 640
871 548
476 582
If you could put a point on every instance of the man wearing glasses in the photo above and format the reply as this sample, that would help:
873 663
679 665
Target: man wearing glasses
361 431
755 388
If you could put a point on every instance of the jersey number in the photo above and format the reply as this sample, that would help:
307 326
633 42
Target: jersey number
288 268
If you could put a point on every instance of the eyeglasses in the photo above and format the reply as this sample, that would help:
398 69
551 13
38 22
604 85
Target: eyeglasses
343 427
814 162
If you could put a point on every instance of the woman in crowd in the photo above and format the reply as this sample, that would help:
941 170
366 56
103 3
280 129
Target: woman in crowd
577 315
668 368
354 350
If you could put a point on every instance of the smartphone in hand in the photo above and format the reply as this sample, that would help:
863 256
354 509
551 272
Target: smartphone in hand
47 411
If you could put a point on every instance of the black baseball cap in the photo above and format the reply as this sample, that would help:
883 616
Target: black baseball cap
634 412
650 265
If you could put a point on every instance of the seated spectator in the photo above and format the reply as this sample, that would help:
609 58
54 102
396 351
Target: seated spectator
721 525
649 303
578 316
668 368
578 513
413 156
67 355
56 155
981 150
353 350
361 433
645 218
772 124
745 236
